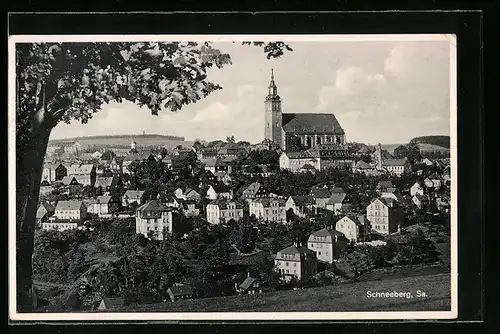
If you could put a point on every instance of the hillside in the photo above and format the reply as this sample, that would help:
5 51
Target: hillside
441 141
125 140
341 297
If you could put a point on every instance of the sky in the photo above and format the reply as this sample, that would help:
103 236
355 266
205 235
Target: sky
380 92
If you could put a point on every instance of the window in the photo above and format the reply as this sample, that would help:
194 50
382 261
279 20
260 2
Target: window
295 264
319 253
312 245
286 264
287 271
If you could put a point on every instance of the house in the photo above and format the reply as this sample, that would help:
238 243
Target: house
145 156
443 203
59 225
172 201
216 165
396 166
219 191
393 194
133 196
104 205
417 188
254 190
420 200
44 211
85 174
296 262
230 151
363 167
427 162
180 291
300 205
153 218
96 155
384 215
54 172
436 180
353 227
295 161
111 303
337 201
45 187
321 196
223 210
107 183
327 244
70 210
187 194
223 177
190 208
269 209
383 186
71 185
115 164
250 286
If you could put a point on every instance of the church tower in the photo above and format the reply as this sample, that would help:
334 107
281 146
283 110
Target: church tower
273 118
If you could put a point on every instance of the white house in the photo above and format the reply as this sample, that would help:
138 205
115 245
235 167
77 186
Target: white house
224 210
327 244
269 209
417 188
352 228
153 218
296 261
384 215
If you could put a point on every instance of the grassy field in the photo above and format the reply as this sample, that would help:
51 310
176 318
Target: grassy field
341 297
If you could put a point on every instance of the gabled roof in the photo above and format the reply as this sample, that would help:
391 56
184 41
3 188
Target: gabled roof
252 189
363 165
303 200
181 290
153 206
69 205
248 282
394 162
104 199
266 202
44 183
43 209
80 169
223 204
69 179
133 194
336 198
311 123
317 192
301 155
295 251
106 181
221 188
324 232
355 219
420 197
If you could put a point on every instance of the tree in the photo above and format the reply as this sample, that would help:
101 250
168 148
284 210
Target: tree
230 139
108 155
60 82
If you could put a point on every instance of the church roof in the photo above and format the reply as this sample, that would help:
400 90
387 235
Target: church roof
311 123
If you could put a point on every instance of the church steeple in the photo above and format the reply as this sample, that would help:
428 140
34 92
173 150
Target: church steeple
273 90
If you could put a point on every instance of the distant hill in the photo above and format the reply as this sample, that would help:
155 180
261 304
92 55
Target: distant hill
441 141
125 140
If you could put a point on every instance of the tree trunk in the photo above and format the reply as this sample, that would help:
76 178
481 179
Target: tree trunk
30 153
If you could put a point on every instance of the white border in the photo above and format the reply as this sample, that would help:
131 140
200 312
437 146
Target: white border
221 316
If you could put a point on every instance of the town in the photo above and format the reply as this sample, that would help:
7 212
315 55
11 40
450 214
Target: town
138 224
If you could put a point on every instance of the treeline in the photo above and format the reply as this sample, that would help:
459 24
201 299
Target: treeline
443 141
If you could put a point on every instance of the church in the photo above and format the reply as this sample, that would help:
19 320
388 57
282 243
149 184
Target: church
308 130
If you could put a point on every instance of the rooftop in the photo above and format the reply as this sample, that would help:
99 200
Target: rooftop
311 123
